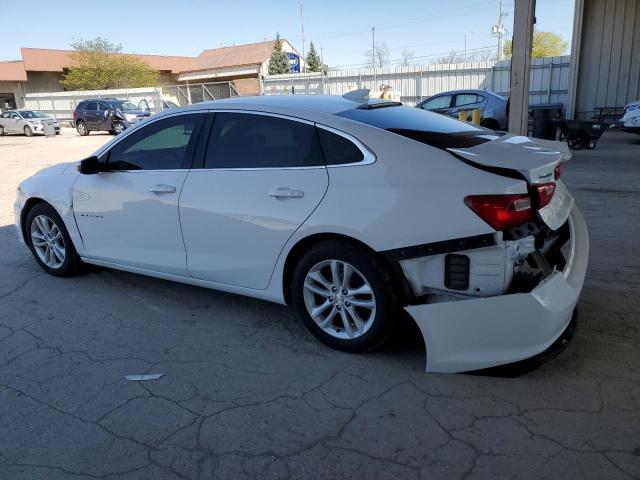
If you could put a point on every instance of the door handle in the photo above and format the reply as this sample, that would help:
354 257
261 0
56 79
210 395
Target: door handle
162 188
286 192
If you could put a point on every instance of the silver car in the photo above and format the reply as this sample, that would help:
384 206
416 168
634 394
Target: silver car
493 107
27 122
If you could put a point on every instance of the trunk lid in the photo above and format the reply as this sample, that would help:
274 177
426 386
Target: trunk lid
533 159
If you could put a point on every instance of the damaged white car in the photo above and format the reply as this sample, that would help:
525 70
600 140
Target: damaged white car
349 209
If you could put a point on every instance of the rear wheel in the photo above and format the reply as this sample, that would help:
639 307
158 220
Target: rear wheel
28 132
49 241
1 130
82 129
344 297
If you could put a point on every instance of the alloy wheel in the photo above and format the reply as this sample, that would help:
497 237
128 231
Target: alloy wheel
48 241
82 128
28 132
339 299
118 127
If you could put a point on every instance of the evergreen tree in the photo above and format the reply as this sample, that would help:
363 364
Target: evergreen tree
314 62
279 61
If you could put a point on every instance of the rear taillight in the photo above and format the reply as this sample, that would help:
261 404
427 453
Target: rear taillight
502 211
544 192
558 171
75 115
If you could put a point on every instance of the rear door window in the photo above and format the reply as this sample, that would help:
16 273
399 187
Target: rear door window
245 140
463 99
443 101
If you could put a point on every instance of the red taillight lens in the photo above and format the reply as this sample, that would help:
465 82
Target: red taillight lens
558 171
545 193
502 211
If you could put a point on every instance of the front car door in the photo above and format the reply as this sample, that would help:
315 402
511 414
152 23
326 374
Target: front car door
128 215
103 120
263 175
439 104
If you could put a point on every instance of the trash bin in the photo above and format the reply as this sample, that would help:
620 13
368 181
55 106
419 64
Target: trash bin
542 120
49 130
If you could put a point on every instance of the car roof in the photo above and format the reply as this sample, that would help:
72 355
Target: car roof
468 90
328 104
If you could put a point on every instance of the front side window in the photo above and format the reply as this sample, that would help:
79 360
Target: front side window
243 140
15 116
439 102
162 145
5 115
102 107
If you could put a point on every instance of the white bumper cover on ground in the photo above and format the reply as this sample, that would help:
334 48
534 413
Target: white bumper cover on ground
485 332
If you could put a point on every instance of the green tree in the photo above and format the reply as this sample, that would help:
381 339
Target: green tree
279 61
314 62
544 44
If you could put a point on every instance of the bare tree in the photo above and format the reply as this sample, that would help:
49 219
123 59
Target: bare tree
406 56
379 57
453 57
484 56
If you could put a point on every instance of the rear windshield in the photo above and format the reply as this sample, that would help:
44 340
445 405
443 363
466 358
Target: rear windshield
423 126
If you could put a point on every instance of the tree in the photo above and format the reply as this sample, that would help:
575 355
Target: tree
99 65
406 56
378 57
544 44
453 57
314 62
279 61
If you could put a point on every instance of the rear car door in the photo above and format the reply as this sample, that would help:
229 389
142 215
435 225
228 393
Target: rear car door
89 114
262 176
129 215
467 102
13 123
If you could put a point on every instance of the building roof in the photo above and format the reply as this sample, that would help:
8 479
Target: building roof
12 71
49 60
236 55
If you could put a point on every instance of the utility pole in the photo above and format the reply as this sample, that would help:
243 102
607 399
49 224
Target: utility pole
303 64
523 21
373 46
499 30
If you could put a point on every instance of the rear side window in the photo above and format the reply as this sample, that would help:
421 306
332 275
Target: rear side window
466 99
162 145
337 149
243 140
90 106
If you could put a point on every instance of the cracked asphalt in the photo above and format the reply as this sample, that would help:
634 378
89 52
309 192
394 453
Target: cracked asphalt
248 393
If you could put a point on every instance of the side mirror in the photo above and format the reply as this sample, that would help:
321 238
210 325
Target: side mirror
91 166
108 113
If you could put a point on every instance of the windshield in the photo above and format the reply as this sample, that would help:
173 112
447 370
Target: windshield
31 114
124 106
423 126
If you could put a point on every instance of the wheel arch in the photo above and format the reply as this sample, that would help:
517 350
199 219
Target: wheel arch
28 205
295 253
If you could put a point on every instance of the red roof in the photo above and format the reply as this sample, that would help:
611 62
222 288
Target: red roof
12 71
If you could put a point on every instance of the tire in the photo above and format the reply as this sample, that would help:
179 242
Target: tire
28 132
375 323
118 127
490 123
1 131
82 129
58 132
52 250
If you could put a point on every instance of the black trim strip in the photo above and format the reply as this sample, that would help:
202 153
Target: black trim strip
438 248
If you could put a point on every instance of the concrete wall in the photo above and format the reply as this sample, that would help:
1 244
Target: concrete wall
607 37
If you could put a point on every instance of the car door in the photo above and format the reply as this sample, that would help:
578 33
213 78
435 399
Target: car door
13 123
262 176
439 104
5 120
103 120
467 102
128 214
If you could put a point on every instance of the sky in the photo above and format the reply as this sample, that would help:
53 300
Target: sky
427 28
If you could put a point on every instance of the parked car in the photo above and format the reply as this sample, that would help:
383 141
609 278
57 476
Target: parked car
351 210
149 105
106 114
494 108
27 122
630 120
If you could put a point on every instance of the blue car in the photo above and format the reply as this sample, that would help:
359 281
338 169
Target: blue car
106 114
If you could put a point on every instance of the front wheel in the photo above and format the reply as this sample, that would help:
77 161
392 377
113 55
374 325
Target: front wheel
50 243
118 127
344 296
28 132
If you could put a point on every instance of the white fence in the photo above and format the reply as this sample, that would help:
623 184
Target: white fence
549 80
62 104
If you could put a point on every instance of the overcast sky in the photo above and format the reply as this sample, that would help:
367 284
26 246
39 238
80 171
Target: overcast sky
343 28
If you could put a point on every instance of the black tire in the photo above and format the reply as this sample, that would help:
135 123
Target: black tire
490 123
82 129
28 132
71 263
58 132
386 311
1 130
118 127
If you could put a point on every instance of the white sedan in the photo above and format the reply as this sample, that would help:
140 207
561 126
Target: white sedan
350 209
